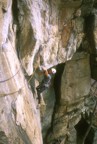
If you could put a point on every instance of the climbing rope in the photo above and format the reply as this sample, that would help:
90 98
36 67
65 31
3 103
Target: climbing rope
10 77
30 78
18 91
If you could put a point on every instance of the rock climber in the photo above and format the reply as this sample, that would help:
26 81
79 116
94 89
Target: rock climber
45 83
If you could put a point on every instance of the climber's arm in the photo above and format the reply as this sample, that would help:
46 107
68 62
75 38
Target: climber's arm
45 71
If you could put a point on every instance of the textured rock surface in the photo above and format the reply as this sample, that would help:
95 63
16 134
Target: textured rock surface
60 34
19 119
50 32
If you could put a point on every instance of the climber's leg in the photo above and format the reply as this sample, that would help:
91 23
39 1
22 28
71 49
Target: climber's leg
40 89
42 100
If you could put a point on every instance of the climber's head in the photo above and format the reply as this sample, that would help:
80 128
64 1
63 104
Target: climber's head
53 71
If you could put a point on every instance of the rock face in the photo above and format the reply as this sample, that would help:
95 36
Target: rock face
19 119
60 34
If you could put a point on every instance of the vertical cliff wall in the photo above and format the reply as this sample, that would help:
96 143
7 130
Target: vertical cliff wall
19 119
60 34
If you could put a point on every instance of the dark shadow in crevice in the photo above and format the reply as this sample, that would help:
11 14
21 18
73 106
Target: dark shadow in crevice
81 129
15 11
93 66
95 5
3 138
57 89
89 32
80 49
57 82
88 42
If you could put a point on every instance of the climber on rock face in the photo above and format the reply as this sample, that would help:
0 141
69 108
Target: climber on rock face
45 83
